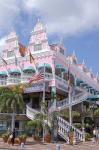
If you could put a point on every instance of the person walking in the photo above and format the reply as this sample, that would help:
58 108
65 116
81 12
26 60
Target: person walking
13 137
94 135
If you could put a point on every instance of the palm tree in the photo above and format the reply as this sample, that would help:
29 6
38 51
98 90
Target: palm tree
49 121
11 101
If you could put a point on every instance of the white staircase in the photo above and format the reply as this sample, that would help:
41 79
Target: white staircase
74 100
30 112
63 126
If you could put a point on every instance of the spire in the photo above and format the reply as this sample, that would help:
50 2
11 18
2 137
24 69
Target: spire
61 41
38 36
38 19
39 26
74 54
90 69
83 62
97 74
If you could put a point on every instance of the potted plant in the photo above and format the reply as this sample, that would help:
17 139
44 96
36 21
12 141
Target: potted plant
5 137
37 125
71 136
88 137
22 138
47 138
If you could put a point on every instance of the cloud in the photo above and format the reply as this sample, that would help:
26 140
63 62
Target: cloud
2 43
9 13
67 17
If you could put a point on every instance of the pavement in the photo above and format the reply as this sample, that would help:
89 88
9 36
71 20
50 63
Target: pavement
32 145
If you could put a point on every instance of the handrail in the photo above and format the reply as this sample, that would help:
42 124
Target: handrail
64 128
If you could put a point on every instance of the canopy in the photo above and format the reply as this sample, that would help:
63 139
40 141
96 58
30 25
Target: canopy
29 68
14 71
3 73
44 64
59 66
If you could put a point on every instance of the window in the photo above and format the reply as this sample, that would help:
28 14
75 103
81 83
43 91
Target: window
62 51
10 53
37 47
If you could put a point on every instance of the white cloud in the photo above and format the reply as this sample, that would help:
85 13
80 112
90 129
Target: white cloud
9 11
66 16
2 43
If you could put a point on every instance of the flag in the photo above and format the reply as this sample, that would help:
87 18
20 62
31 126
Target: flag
31 57
36 77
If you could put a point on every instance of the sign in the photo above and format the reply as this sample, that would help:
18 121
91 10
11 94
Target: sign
36 87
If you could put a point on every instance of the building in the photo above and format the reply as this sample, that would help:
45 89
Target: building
17 68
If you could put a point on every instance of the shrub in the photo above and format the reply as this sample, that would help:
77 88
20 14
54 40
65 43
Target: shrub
96 113
47 138
22 138
87 137
77 125
5 137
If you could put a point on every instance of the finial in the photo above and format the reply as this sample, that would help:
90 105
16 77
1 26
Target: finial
90 69
38 19
97 74
83 62
61 41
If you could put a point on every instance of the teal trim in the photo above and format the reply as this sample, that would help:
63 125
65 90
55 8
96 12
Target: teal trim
14 71
3 73
44 64
58 66
28 68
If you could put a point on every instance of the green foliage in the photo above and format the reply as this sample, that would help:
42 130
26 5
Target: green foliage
75 114
36 124
96 113
87 137
77 125
11 99
88 125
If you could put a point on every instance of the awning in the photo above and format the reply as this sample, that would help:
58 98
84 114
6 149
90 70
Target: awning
3 73
59 66
11 71
29 68
44 64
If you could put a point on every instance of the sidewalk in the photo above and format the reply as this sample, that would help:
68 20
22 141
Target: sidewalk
30 145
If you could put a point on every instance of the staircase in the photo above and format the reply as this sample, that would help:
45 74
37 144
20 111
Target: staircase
83 96
30 112
63 126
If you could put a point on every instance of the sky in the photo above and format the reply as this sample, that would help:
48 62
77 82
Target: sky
75 22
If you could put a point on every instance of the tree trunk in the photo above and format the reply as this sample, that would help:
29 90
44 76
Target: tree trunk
13 121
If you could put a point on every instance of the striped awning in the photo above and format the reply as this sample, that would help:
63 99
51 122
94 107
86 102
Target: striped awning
59 66
29 68
11 71
44 64
3 73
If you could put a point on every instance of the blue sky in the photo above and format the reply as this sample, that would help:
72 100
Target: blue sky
76 21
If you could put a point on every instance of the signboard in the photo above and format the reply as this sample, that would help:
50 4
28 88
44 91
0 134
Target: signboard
36 87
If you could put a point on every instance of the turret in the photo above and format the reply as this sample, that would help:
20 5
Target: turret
11 47
38 40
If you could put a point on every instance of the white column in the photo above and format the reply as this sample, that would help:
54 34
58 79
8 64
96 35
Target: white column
70 107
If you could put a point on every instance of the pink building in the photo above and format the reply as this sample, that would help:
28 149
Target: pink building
18 70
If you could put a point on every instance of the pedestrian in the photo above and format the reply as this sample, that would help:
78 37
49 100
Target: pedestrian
13 137
94 135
